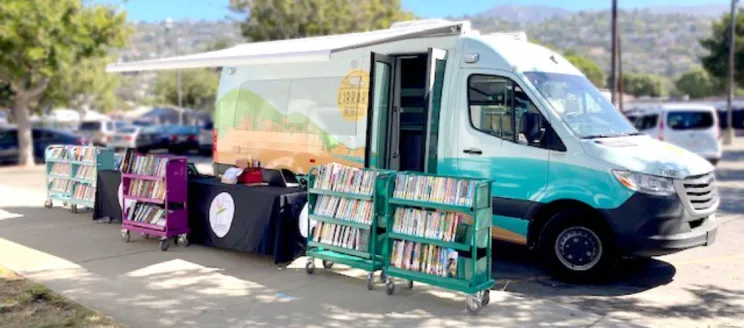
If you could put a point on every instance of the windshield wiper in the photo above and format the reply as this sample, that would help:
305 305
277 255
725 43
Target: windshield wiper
601 136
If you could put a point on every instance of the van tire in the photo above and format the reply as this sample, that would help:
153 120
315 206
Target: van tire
577 228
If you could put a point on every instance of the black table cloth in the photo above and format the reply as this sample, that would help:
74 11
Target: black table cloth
265 218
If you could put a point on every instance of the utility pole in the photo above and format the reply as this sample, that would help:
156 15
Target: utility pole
168 28
730 134
620 71
613 64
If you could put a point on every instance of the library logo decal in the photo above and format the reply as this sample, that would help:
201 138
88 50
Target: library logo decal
221 213
352 94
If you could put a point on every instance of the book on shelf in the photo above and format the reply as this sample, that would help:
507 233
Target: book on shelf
57 153
429 224
147 188
145 213
61 185
348 209
86 172
424 258
341 178
434 189
341 236
84 154
84 192
143 164
61 168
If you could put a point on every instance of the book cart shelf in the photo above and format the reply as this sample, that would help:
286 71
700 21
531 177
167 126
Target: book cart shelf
345 203
71 174
156 186
439 233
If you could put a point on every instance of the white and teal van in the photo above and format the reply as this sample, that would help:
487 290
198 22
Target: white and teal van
573 179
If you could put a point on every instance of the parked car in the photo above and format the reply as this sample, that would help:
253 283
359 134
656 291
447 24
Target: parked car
100 133
143 139
182 138
206 138
690 126
42 139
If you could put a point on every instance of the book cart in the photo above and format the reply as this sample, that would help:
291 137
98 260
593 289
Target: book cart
71 174
439 233
157 188
345 203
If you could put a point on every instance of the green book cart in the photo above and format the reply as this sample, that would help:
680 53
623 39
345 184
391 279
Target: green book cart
438 232
366 252
72 172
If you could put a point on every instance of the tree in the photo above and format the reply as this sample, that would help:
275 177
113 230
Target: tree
198 86
640 85
289 19
588 67
716 61
39 39
83 86
697 83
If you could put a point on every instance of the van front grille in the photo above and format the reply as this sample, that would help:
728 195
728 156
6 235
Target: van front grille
700 192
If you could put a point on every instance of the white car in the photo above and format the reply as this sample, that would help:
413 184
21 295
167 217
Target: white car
690 126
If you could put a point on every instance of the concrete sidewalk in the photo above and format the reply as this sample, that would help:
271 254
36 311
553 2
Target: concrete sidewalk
141 286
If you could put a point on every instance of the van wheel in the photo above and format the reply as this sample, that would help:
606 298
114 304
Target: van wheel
574 249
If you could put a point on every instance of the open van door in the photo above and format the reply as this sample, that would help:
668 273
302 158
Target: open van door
379 108
437 61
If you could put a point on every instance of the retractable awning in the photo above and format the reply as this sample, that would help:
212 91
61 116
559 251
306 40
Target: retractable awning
314 49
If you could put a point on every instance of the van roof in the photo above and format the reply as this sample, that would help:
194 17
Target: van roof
679 107
312 49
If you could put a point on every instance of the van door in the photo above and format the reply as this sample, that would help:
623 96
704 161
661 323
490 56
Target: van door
379 107
504 139
437 60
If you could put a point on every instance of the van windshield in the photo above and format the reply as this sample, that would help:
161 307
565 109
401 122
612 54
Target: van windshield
586 111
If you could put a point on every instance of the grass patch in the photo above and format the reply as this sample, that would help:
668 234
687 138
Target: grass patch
27 304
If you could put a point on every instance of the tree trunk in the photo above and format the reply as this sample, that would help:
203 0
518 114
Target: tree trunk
25 140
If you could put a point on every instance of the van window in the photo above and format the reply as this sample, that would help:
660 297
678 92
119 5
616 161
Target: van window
646 122
531 125
490 105
90 126
689 120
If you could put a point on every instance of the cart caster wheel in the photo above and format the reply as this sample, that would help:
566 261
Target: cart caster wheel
474 304
390 287
410 284
486 298
164 243
125 236
383 277
327 264
182 240
310 267
74 208
370 281
48 203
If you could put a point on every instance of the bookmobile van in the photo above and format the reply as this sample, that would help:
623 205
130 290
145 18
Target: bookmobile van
573 179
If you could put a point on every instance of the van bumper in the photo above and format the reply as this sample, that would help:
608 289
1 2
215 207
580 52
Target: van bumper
648 225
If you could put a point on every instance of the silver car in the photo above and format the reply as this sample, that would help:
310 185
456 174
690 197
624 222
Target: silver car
142 139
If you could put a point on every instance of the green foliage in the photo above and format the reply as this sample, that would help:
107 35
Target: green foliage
588 67
6 95
697 83
86 85
643 85
199 88
289 19
717 44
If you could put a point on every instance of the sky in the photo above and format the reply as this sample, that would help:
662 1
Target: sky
156 10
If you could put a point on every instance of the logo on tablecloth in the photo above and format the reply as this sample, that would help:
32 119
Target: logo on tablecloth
221 213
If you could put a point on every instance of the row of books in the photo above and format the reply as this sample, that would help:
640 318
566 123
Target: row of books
341 236
428 224
84 192
146 213
424 258
61 185
341 178
147 188
61 169
58 153
354 210
434 189
86 172
82 153
143 164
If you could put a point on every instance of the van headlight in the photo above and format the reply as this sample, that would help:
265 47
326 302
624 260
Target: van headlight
644 183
